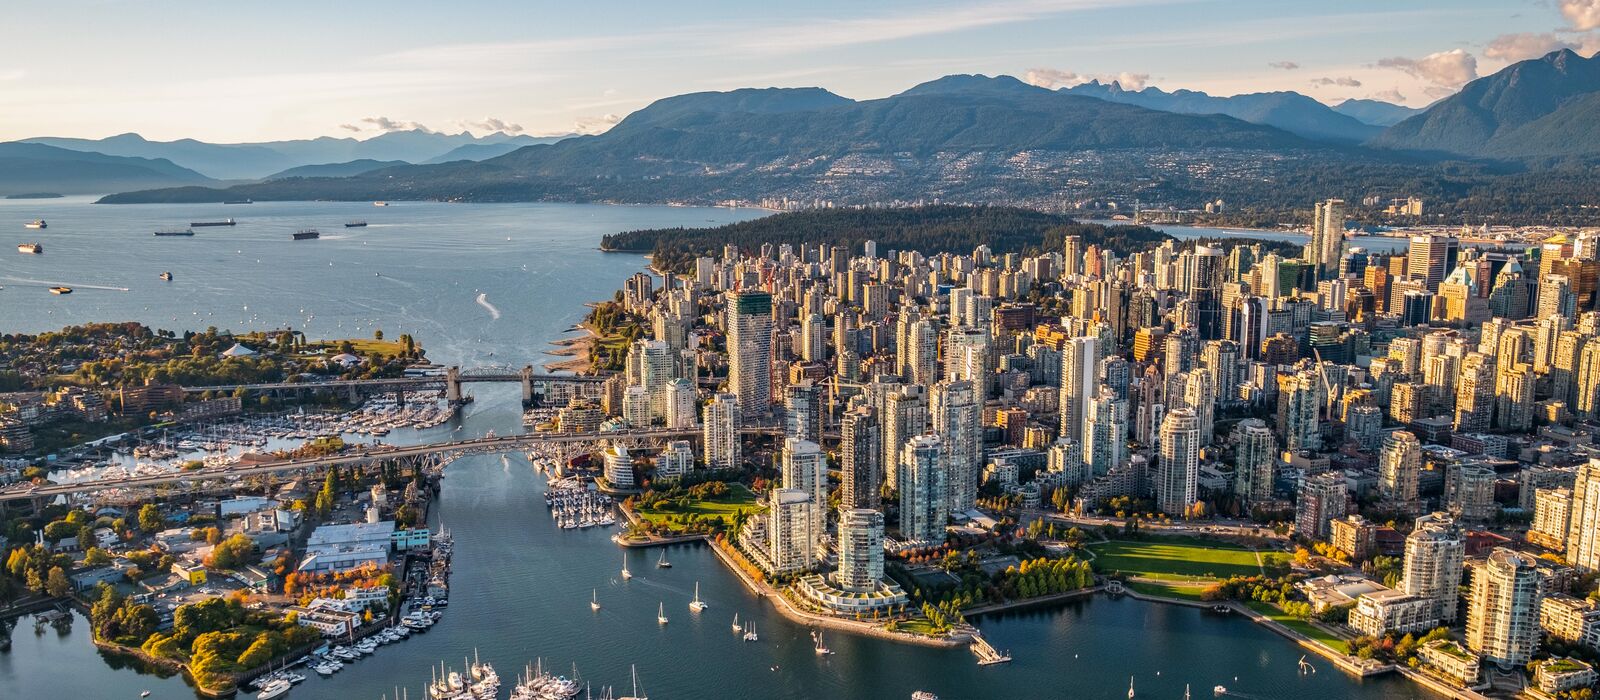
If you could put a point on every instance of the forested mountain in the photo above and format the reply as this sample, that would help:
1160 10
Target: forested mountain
32 167
1290 111
346 169
1539 108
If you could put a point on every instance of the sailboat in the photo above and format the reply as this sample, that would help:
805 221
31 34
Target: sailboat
661 613
750 633
1130 687
821 649
1185 691
663 563
635 696
594 600
697 605
737 628
626 574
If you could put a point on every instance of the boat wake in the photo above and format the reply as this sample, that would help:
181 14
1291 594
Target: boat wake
483 300
74 285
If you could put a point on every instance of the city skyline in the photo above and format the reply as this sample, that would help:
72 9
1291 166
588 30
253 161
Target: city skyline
358 69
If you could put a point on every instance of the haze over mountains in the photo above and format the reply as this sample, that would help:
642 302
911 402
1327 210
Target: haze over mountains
968 138
249 161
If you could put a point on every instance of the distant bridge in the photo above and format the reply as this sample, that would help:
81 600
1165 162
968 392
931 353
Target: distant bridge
533 384
440 451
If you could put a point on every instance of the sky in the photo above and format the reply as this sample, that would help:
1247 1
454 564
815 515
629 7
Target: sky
238 72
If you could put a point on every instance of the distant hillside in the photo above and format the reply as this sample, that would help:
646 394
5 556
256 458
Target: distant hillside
932 229
1290 111
250 161
1376 112
485 151
1538 108
354 167
35 168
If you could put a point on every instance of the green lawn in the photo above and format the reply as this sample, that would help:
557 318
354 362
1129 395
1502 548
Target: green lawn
1174 559
1166 590
1299 625
739 498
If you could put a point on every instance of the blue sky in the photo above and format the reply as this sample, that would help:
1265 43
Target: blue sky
235 71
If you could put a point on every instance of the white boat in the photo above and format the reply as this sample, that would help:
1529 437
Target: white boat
697 605
1130 687
626 574
663 563
661 614
821 649
923 695
750 633
635 696
276 688
737 628
1219 691
594 600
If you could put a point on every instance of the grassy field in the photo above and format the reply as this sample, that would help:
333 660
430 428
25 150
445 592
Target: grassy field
1167 590
1299 625
738 498
1174 559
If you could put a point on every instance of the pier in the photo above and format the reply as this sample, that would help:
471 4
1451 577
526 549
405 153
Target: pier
987 654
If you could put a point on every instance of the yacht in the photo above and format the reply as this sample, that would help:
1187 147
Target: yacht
380 204
635 696
594 600
166 276
31 248
661 614
923 695
60 290
277 687
697 605
821 649
663 563
626 574
36 223
1219 691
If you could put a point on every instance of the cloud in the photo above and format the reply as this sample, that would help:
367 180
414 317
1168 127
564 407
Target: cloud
493 124
1341 81
596 125
1518 47
1052 78
1450 69
1394 96
1284 65
12 74
1583 14
384 124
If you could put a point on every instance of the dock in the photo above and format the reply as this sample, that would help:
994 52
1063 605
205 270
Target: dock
987 654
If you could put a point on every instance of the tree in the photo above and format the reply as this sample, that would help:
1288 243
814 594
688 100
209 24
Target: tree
95 556
232 552
56 584
150 519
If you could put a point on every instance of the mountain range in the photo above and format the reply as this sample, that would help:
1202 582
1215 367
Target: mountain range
1541 108
1290 111
249 161
33 167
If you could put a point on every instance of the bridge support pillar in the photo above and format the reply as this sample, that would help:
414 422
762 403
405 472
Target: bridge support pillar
400 398
527 385
452 385
355 396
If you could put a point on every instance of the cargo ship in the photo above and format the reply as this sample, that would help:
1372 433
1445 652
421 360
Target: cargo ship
224 222
60 290
36 223
238 201
306 235
31 248
355 224
175 232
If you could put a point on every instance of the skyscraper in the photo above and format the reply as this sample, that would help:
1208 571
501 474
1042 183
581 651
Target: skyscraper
905 413
749 329
958 421
1399 470
922 491
804 466
1108 432
1327 238
1322 497
1178 472
1432 567
1503 609
1475 394
720 430
1583 534
860 550
1078 364
1255 454
1430 258
860 458
803 411
967 351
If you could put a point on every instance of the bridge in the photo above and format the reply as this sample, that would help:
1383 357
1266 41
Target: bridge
439 452
534 384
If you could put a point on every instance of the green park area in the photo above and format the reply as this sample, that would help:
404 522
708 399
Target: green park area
1183 560
680 509
1303 627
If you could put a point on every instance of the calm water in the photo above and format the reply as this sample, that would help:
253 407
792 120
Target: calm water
521 587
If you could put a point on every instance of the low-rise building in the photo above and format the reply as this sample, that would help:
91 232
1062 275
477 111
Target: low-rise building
1355 536
193 573
1571 620
1561 674
1450 660
330 621
1380 612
